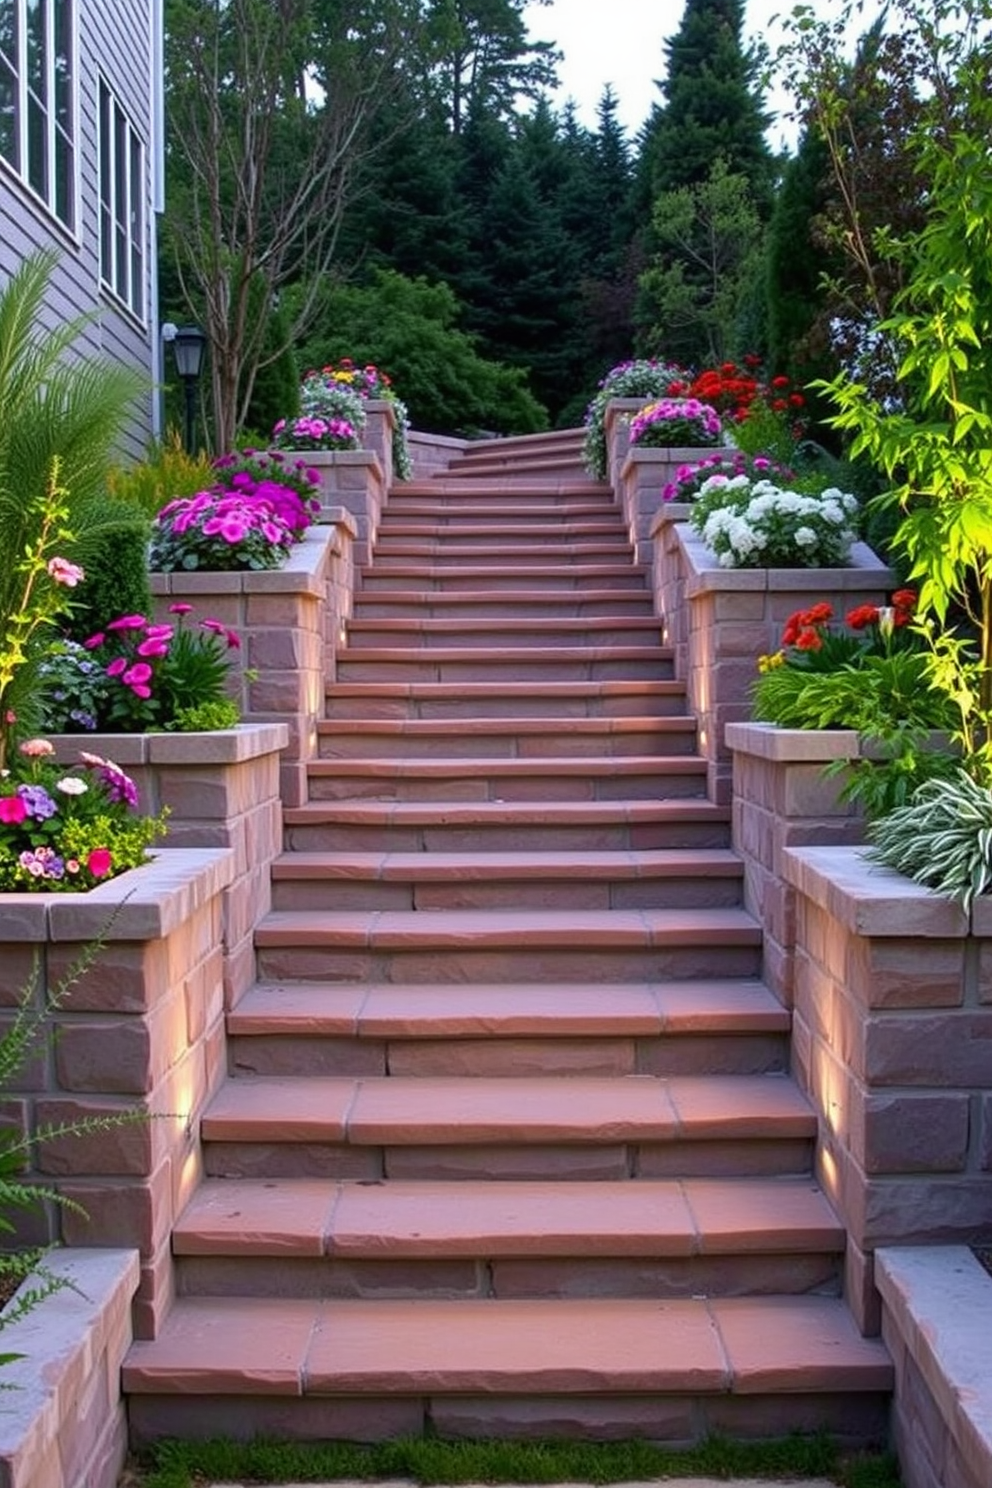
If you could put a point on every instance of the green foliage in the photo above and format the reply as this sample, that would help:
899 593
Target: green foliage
942 838
427 1460
275 389
935 445
693 292
408 328
223 713
116 579
167 471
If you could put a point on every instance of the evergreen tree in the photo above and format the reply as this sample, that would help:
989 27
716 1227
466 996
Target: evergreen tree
711 106
795 263
483 59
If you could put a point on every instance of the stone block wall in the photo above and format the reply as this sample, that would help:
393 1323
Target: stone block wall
642 479
63 1422
892 1041
783 798
431 454
138 1030
352 480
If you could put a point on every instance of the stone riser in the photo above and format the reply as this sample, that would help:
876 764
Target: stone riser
560 577
589 664
449 511
493 1058
399 553
554 1162
528 783
560 531
509 634
685 892
503 964
616 701
587 739
558 1276
379 833
531 604
678 1420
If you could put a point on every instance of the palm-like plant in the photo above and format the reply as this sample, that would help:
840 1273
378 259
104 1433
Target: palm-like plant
60 412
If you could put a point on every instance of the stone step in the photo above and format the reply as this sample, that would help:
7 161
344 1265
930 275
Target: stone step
507 738
512 1127
509 555
503 702
479 826
458 603
675 1370
511 466
439 537
447 510
507 632
577 881
648 1237
589 663
506 945
411 573
497 1030
552 778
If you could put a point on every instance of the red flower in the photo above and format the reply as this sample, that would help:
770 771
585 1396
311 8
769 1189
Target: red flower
809 640
819 614
904 599
797 400
863 616
780 382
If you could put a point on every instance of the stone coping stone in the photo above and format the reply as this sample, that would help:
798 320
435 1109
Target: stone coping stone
940 1299
651 1483
302 572
146 903
705 573
868 898
337 516
61 1341
233 746
792 746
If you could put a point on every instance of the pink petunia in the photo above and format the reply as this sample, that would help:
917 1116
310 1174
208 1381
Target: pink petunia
118 665
128 622
100 862
12 810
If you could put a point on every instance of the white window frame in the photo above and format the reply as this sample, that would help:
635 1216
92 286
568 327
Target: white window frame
122 204
59 158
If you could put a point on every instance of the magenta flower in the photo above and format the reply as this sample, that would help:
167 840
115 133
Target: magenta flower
12 810
115 667
128 622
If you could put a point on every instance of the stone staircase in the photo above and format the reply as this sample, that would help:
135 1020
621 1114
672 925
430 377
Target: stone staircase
508 1143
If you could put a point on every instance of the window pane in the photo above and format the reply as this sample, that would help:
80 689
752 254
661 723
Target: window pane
9 145
37 72
62 62
38 148
137 230
65 206
8 31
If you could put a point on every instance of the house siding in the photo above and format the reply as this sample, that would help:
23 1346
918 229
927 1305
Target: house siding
115 42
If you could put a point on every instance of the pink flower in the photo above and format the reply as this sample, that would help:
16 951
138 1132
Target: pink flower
154 646
100 862
117 666
64 572
128 622
36 748
95 640
140 672
180 609
12 810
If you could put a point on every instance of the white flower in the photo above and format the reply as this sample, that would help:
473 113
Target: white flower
71 785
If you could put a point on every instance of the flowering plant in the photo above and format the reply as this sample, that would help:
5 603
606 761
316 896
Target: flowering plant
754 523
134 675
690 479
269 473
320 394
313 432
674 421
811 644
66 829
739 392
633 379
225 529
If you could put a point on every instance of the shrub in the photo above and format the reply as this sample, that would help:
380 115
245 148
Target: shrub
752 524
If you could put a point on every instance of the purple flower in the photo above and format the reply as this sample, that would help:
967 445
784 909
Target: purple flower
37 801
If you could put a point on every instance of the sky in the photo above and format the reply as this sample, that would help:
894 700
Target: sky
620 42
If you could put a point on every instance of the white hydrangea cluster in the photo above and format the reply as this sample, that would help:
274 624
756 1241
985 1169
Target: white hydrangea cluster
756 524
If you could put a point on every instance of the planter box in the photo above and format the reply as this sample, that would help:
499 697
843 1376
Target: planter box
141 1029
380 426
616 426
63 1421
892 1028
720 620
290 621
354 480
644 474
222 790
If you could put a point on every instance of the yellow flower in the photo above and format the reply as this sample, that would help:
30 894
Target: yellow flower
769 663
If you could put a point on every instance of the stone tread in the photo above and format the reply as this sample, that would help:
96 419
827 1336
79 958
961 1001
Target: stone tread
231 1346
689 1217
583 767
596 690
508 1010
416 628
519 656
520 813
440 867
384 930
427 572
416 728
449 1110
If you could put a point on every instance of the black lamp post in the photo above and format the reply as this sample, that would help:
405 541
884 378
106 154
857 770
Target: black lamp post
187 347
